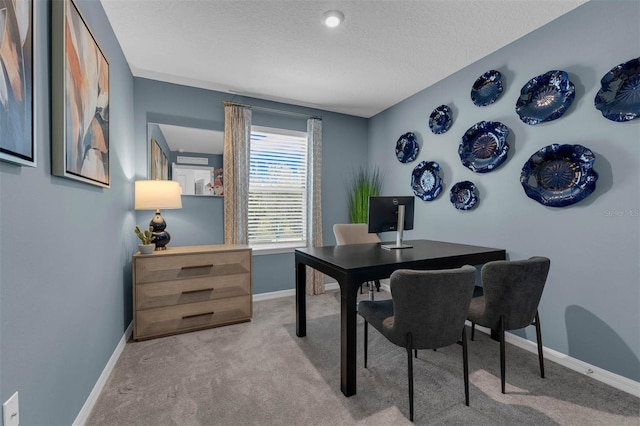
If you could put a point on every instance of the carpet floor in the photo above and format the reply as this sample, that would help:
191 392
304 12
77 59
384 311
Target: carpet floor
260 373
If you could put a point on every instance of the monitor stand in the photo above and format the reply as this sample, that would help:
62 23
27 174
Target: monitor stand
400 230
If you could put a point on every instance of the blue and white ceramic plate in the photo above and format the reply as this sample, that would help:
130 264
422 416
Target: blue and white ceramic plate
440 119
484 146
619 96
487 88
559 175
425 180
407 148
464 195
545 97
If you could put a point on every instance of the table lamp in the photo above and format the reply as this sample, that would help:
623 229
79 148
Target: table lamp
156 195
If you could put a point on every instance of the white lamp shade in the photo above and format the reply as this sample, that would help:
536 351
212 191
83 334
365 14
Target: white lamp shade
157 194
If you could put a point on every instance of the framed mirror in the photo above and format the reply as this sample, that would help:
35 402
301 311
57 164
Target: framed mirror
189 155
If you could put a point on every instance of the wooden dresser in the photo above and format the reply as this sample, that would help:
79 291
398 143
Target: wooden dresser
190 288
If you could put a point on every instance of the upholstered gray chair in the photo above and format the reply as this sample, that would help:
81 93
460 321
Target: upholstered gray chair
356 233
427 311
512 292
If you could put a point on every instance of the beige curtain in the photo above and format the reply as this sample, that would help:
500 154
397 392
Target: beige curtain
237 136
315 279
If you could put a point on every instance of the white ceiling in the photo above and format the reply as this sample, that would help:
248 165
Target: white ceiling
384 52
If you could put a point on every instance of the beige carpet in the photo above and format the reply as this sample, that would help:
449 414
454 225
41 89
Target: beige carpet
260 373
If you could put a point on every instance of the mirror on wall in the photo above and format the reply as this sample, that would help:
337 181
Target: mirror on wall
191 156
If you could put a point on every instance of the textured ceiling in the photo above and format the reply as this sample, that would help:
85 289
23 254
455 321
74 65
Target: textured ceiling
384 52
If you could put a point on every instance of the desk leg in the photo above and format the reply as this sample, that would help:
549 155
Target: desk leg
348 338
301 300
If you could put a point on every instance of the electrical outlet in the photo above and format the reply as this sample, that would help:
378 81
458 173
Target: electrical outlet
11 411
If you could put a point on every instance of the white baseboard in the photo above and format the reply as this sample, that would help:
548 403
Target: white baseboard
84 413
615 380
286 293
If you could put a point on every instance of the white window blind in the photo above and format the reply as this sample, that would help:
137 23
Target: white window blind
277 208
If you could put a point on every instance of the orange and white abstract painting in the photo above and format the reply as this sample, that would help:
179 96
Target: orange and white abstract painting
86 103
17 143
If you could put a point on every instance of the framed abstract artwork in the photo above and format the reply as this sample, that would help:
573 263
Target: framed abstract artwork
165 167
80 99
17 136
159 162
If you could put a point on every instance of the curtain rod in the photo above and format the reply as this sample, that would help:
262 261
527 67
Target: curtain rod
273 110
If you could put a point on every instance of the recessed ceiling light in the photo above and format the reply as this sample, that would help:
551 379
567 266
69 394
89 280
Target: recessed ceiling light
332 18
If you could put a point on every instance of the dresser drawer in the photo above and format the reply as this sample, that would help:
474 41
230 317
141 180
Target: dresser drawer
201 265
168 293
177 319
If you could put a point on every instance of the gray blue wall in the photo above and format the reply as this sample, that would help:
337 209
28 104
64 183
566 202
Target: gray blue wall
590 307
65 247
200 221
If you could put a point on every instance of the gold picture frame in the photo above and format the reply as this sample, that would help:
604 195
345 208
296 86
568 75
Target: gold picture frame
159 162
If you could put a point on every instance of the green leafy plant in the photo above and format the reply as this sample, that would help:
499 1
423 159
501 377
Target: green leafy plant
145 236
363 185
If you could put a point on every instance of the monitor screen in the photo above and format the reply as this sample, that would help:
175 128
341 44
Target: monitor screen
383 213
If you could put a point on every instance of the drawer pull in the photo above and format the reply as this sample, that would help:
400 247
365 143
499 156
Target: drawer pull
210 265
197 291
197 315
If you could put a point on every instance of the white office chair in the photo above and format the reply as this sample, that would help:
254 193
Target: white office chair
356 233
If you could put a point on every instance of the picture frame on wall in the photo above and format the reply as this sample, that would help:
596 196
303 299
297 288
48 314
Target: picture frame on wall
80 99
17 52
159 162
165 167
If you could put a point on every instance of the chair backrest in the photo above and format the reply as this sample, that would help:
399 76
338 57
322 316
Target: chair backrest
431 305
353 233
513 289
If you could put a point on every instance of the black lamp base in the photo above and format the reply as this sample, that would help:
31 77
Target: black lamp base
160 237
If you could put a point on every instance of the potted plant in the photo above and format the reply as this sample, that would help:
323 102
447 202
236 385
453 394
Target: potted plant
363 185
146 246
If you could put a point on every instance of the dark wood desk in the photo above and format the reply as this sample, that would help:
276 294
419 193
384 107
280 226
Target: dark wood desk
354 264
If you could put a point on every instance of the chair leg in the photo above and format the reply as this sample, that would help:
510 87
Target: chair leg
465 364
410 373
473 330
415 353
502 351
539 339
366 329
378 285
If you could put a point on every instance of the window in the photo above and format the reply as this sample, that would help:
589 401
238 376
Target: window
277 206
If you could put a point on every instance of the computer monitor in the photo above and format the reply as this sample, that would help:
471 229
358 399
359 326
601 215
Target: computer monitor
391 213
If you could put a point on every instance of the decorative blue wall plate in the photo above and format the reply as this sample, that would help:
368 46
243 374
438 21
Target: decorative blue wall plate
559 175
484 146
545 97
440 119
487 88
407 148
619 96
464 195
425 180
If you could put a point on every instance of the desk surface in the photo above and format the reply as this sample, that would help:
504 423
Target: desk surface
357 256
